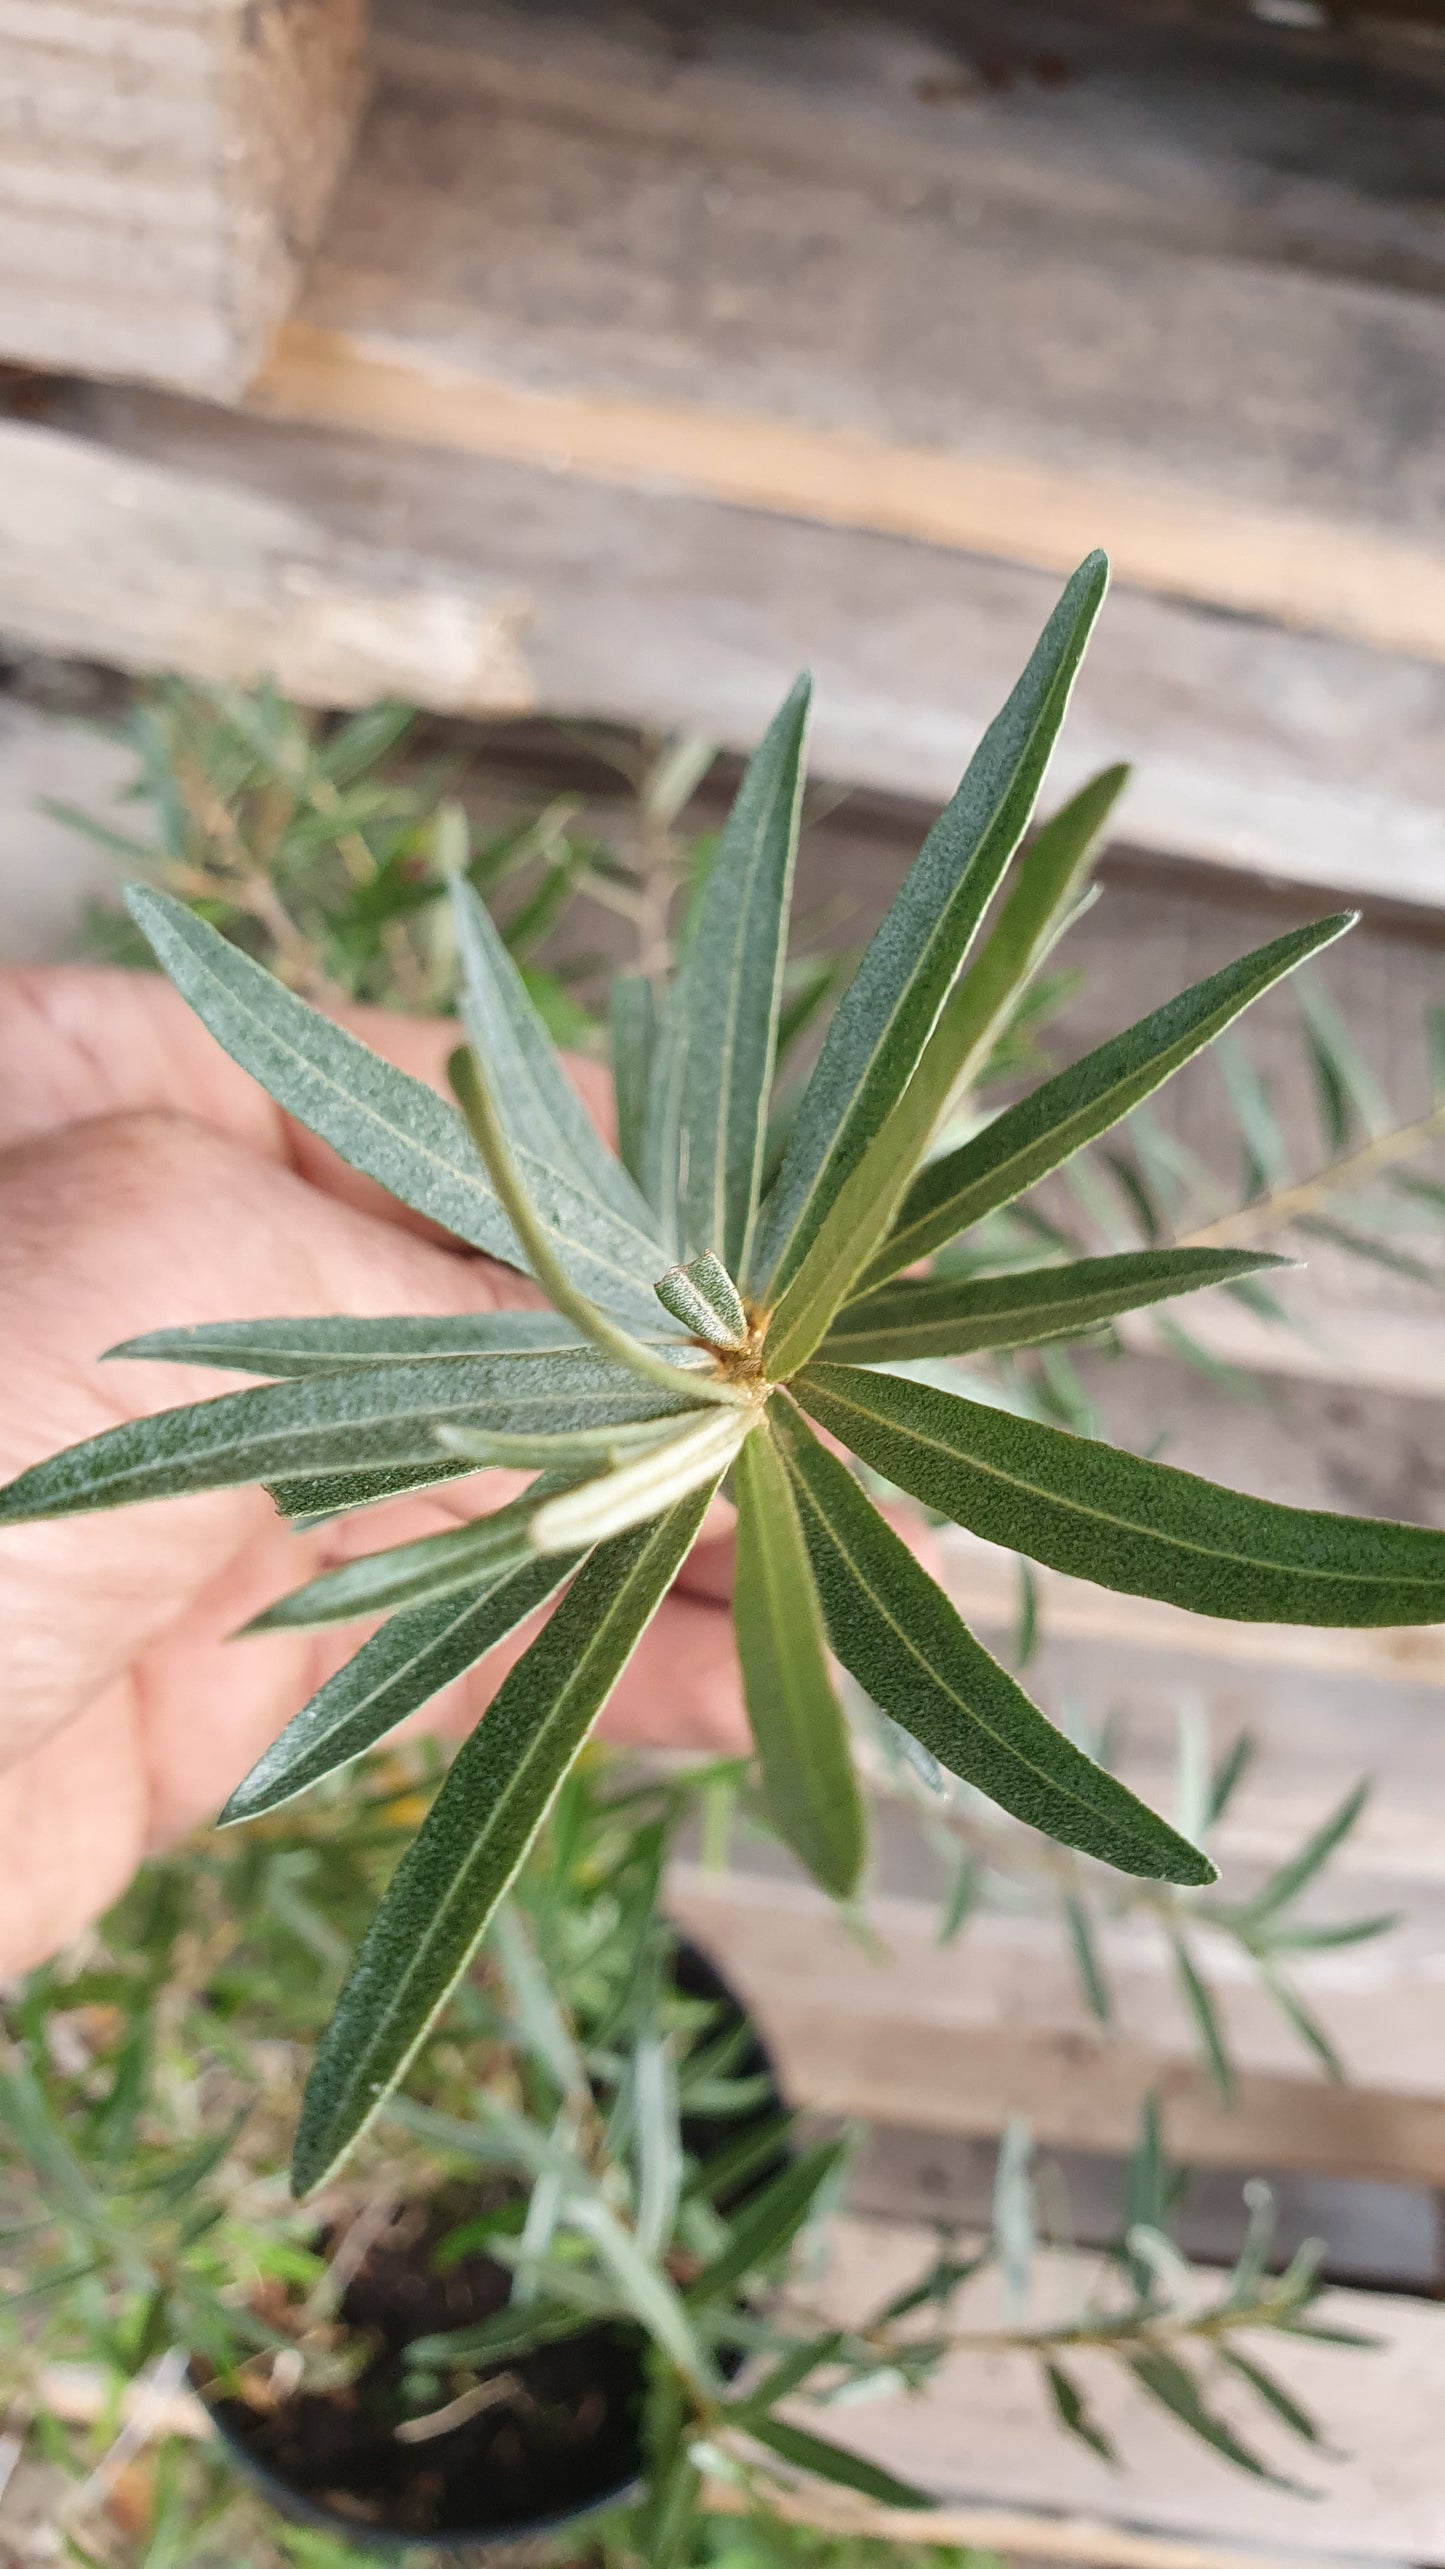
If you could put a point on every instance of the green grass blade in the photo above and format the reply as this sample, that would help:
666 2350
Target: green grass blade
910 1651
886 1015
383 1416
729 989
391 1126
1144 1528
411 1659
810 1783
481 1825
546 1119
946 1316
633 1015
1058 1118
280 1348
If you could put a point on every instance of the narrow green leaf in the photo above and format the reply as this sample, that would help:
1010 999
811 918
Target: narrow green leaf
393 1127
1310 2031
889 1010
547 1124
1299 1870
1346 1091
1144 1528
729 986
582 1448
964 1893
513 2331
770 2222
827 2461
545 1250
1227 1777
698 1453
903 1640
338 1422
1058 1118
705 1299
1269 2388
789 2374
809 1780
310 1498
1174 2387
412 1574
1043 897
1075 2416
480 1827
1206 2021
948 1316
634 1035
1366 1245
411 1659
1086 1959
280 1348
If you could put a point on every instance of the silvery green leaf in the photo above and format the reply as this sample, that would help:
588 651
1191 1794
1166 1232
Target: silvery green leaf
384 1416
1175 2389
411 1659
810 1784
910 1651
886 1015
634 1036
824 2460
705 1299
393 1127
478 1832
700 1452
948 1316
411 1574
278 1348
548 1126
1058 1118
728 989
584 1447
769 2221
1141 1527
309 1499
1042 900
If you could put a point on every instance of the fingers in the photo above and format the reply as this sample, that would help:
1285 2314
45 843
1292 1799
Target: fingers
132 1223
78 1041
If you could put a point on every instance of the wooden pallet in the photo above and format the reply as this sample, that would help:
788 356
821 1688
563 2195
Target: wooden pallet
808 342
164 168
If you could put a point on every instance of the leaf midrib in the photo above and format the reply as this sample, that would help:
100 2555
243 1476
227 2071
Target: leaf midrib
1010 1749
1129 1525
455 1169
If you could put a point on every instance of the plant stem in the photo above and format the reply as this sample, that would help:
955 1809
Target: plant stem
1274 1212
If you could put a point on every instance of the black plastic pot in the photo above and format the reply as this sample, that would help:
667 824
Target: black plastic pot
479 2525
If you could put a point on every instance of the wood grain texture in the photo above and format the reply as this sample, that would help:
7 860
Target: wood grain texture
820 269
982 2438
1296 756
958 2039
153 569
163 172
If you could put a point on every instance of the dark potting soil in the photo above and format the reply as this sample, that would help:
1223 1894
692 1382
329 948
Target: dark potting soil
570 2433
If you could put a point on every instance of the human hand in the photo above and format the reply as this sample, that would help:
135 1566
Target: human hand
146 1182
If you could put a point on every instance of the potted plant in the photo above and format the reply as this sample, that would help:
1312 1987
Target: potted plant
704 1327
556 2294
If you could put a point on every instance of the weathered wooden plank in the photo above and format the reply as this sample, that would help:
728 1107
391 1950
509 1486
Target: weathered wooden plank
982 2438
957 2039
151 568
767 274
1301 757
163 172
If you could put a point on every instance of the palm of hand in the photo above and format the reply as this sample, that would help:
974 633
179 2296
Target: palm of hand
146 1182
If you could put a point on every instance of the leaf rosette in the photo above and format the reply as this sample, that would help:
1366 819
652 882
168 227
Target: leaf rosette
707 1317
